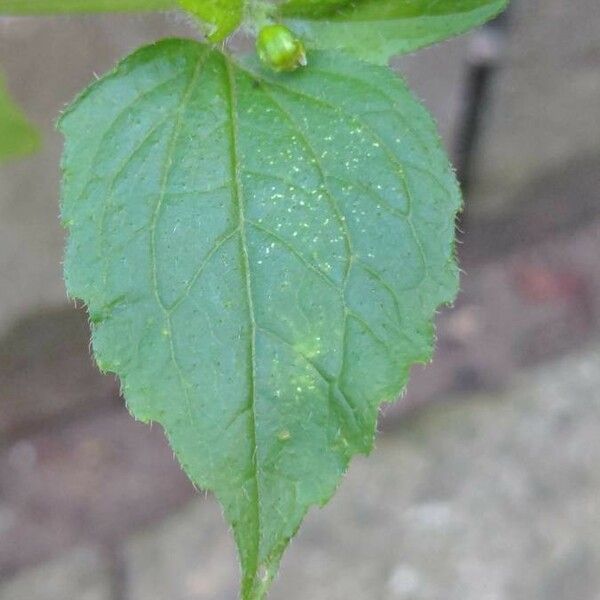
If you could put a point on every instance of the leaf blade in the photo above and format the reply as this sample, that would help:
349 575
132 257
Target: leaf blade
60 7
222 16
248 250
374 30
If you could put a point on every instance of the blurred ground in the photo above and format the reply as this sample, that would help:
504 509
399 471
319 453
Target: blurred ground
490 498
485 484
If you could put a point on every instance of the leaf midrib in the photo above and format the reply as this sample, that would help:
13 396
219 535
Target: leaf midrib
238 199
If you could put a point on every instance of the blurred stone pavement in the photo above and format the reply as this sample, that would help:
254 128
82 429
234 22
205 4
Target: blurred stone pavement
494 497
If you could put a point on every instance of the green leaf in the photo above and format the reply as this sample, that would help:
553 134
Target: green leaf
221 16
377 29
51 7
314 8
17 136
261 256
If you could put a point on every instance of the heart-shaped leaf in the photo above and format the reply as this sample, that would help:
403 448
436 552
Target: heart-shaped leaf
261 256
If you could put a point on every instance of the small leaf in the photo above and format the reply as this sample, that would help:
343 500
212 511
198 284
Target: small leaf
261 256
377 29
60 7
17 136
314 8
221 16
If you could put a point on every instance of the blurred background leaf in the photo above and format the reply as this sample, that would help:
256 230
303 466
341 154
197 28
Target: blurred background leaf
220 16
18 136
49 7
375 30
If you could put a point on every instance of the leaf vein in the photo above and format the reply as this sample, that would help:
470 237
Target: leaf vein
238 199
168 163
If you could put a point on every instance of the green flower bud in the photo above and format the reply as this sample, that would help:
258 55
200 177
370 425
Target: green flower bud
280 49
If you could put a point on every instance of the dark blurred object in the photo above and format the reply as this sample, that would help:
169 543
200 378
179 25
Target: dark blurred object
554 204
47 373
484 58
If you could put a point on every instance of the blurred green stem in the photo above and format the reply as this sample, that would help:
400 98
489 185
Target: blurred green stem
53 7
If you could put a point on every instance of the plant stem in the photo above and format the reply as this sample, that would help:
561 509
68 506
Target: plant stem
50 7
